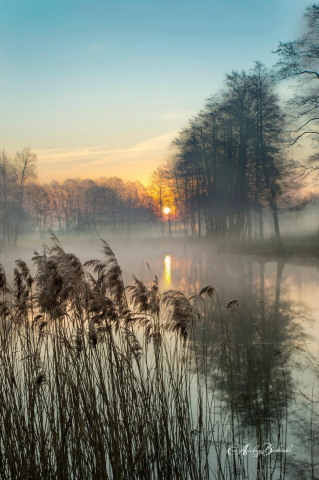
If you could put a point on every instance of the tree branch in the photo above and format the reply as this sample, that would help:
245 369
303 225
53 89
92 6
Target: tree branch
302 126
302 134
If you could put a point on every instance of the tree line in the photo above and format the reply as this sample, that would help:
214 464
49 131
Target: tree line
230 162
74 206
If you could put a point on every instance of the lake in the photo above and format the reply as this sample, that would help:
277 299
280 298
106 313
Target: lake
275 323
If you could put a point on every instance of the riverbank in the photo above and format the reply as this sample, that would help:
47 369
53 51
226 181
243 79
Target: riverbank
303 248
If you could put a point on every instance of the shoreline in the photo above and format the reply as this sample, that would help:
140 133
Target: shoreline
303 250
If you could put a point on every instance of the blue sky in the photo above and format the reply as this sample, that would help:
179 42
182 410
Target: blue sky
100 88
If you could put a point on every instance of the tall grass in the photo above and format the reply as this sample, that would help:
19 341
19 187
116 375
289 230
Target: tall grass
99 381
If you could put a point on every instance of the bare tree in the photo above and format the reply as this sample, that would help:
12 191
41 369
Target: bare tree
26 171
230 162
7 188
299 61
160 191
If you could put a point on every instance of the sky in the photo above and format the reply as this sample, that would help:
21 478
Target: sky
100 88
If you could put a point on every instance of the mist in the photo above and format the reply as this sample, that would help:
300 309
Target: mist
159 314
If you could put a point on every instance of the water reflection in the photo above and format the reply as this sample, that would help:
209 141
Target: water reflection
272 341
168 273
272 366
261 357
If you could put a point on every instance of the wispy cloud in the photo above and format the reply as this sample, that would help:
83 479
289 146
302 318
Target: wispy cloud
132 163
183 115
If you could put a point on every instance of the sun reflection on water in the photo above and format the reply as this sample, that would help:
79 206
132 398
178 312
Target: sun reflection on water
168 274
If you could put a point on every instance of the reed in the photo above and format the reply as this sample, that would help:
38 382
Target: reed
99 380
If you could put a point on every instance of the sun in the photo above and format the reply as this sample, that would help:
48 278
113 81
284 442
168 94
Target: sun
167 210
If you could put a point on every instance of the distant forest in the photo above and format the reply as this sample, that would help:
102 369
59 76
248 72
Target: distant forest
226 169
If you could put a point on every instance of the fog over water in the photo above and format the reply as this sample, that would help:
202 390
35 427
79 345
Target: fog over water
189 265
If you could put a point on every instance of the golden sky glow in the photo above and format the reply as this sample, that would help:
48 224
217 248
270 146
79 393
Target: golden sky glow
100 88
132 163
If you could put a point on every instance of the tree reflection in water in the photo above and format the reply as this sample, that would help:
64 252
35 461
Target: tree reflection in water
260 358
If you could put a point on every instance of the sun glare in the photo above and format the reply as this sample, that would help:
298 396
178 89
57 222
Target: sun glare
167 210
168 274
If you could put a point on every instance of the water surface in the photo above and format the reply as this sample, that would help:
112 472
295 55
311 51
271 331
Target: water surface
279 298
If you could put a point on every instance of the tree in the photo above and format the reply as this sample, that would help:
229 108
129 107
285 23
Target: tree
271 169
41 206
299 61
160 192
26 171
8 178
229 163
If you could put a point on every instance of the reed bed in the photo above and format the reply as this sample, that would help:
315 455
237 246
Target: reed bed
103 381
